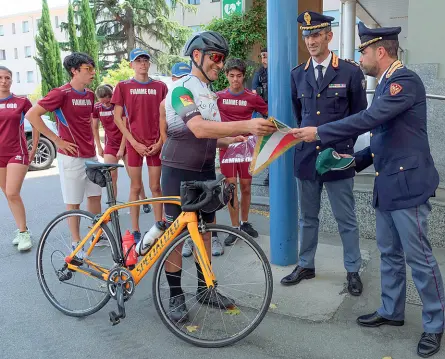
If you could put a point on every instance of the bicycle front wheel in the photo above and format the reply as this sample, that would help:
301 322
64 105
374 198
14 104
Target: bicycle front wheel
243 291
73 293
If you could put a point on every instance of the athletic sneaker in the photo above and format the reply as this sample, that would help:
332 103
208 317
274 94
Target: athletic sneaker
230 240
213 298
81 254
102 242
146 208
137 236
247 227
25 242
177 309
217 247
16 239
187 248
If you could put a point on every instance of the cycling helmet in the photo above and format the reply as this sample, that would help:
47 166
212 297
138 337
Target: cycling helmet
206 41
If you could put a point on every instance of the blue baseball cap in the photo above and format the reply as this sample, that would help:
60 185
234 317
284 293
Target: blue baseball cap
135 53
181 69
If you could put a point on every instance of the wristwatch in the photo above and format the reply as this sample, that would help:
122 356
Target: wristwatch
316 135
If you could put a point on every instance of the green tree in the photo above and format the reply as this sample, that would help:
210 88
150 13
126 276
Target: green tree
48 53
166 62
122 72
125 25
242 32
72 30
88 42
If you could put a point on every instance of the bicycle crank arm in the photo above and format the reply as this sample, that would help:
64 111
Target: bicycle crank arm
115 318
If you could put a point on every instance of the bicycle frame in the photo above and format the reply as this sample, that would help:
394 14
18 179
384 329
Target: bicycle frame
185 219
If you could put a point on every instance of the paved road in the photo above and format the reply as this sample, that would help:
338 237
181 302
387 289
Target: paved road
31 328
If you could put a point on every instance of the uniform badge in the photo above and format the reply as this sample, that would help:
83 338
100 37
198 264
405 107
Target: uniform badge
307 18
395 89
186 100
364 84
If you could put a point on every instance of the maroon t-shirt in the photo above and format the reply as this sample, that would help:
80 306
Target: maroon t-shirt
12 131
73 113
241 106
113 136
140 101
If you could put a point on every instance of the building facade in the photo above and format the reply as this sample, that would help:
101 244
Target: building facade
17 46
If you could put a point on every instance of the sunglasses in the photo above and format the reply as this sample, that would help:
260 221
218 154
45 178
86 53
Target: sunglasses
216 57
89 68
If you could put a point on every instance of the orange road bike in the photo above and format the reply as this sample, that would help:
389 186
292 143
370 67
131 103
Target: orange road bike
79 286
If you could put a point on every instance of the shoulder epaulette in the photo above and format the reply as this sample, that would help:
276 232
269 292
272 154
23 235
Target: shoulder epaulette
307 64
296 67
395 66
352 62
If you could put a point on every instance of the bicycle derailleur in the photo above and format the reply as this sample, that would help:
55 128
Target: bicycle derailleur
120 285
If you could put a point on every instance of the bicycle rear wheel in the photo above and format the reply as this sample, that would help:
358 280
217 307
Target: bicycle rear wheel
243 275
73 293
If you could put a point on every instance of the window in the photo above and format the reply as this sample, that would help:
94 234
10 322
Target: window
30 76
25 26
1 30
2 54
194 2
56 21
13 28
215 1
27 51
16 53
17 77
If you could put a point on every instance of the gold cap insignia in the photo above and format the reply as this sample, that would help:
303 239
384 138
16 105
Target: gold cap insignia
307 18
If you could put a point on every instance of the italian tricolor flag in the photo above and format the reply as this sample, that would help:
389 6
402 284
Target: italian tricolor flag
269 148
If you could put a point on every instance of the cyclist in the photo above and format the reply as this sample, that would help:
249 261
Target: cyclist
114 149
237 104
194 125
14 156
138 99
72 104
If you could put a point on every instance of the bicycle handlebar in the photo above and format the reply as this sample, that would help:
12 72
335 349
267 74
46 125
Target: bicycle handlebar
193 207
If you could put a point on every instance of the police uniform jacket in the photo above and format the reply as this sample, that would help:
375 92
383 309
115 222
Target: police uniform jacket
399 147
341 94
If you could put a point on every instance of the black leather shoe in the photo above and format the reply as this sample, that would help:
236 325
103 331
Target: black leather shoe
375 320
355 286
429 344
298 274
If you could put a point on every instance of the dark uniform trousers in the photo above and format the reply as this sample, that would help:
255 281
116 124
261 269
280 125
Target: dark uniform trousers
405 180
341 93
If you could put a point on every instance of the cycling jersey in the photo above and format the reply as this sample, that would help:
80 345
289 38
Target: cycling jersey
187 98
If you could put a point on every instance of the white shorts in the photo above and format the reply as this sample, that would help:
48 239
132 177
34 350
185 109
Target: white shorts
74 181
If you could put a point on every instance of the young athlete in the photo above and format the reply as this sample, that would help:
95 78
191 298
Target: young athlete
114 150
138 100
72 104
14 156
237 103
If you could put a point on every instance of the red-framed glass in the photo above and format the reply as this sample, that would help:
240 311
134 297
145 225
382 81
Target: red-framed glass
216 57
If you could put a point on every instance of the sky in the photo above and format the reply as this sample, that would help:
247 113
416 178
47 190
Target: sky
19 6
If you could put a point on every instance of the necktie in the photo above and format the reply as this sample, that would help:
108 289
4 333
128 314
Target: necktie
320 75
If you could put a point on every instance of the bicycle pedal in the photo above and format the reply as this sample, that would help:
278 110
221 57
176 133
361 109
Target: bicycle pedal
114 318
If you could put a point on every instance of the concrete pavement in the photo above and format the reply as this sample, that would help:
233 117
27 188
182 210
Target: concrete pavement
314 320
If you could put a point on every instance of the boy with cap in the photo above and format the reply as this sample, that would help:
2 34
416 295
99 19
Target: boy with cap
325 89
138 100
405 180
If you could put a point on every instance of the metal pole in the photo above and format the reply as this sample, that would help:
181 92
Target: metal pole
349 29
282 48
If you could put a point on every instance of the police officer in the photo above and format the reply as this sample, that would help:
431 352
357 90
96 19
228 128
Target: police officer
325 89
405 180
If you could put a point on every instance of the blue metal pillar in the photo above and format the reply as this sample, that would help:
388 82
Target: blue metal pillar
282 49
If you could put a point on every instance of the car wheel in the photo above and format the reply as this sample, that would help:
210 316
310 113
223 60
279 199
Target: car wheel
45 154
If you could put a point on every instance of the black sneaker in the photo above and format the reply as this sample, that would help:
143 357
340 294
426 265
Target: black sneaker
213 298
146 208
230 240
247 227
177 309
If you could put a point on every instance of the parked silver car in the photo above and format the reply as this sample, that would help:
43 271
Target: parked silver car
46 150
